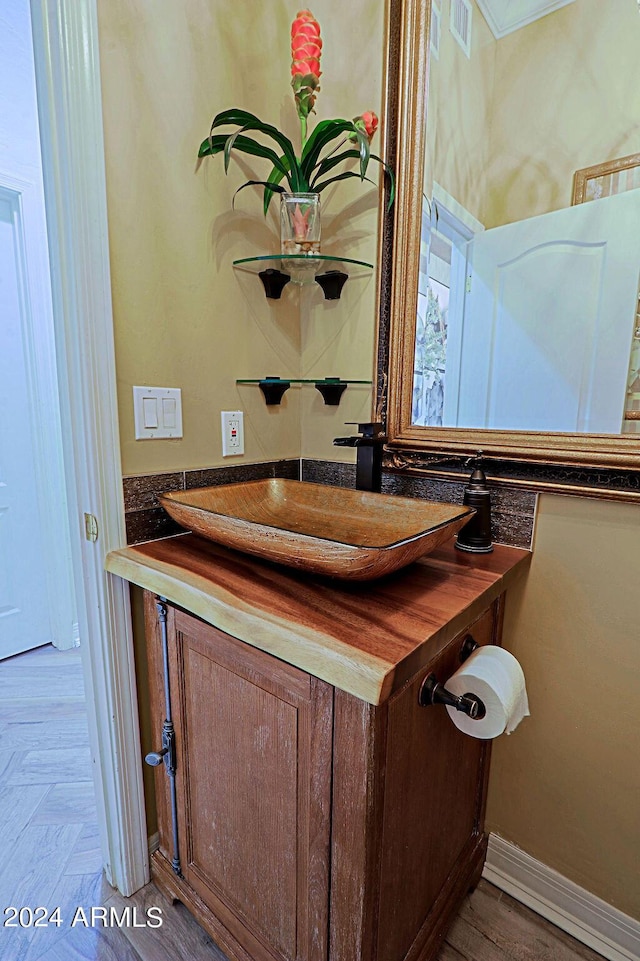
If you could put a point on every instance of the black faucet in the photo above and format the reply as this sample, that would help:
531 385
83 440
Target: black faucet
368 444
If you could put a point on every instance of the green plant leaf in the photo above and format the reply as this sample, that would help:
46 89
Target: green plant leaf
392 180
330 162
234 116
212 145
269 188
348 174
247 122
323 134
363 150
291 162
302 174
274 178
215 144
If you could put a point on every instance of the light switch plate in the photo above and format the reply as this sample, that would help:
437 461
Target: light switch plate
157 412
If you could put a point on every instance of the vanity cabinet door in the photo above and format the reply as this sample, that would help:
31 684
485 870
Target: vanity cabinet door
253 775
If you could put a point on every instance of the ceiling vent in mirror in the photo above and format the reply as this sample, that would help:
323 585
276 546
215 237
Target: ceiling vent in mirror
436 21
460 23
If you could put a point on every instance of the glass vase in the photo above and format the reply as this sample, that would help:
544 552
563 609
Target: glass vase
300 223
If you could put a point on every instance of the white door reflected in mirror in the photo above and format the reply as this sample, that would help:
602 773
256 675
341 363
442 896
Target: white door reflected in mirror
541 335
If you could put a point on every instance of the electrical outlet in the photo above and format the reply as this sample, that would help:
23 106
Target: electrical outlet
232 432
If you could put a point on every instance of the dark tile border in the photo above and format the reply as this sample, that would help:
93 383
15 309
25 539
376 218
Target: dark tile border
140 493
242 472
328 472
512 513
146 520
513 510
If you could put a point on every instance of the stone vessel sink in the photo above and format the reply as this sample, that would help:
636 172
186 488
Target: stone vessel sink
335 531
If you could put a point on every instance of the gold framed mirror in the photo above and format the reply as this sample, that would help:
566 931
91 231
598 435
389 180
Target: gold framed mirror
581 438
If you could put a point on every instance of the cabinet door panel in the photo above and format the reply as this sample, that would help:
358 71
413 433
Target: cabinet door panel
254 834
434 787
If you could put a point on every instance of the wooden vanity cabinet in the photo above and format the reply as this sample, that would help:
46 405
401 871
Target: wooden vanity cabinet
312 825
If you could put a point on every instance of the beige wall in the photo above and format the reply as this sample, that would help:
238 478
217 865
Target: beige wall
509 127
567 96
565 785
459 115
183 317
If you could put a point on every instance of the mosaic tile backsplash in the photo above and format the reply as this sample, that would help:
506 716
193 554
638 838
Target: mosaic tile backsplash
513 510
146 520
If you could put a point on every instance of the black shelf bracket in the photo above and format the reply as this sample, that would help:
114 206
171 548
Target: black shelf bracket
332 389
332 282
274 389
274 281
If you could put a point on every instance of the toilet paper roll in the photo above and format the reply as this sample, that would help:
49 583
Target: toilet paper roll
496 677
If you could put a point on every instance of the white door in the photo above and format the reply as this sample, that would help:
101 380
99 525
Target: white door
549 319
37 604
24 617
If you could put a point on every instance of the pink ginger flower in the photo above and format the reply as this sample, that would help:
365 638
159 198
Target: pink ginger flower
306 48
367 123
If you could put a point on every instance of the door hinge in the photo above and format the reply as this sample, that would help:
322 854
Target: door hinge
90 527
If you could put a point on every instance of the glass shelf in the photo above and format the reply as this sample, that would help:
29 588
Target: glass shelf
276 270
274 388
300 380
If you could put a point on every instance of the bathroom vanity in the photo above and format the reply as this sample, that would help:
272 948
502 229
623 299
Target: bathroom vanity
321 814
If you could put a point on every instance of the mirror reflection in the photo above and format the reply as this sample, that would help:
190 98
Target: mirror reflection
528 285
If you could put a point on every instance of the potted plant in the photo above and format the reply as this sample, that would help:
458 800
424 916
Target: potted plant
300 178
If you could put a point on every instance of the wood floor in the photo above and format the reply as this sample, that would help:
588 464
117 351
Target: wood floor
50 852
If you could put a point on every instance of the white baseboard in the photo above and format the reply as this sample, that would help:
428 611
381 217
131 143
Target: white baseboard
581 914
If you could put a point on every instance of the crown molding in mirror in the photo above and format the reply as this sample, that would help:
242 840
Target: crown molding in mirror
597 461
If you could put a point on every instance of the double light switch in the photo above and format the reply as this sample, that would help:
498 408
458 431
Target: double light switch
157 412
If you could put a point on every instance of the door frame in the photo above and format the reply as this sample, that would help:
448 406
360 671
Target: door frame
454 221
65 34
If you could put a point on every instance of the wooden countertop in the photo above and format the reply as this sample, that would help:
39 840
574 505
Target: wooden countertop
365 638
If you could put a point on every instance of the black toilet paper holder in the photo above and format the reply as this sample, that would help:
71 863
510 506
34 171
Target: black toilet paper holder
433 692
469 645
